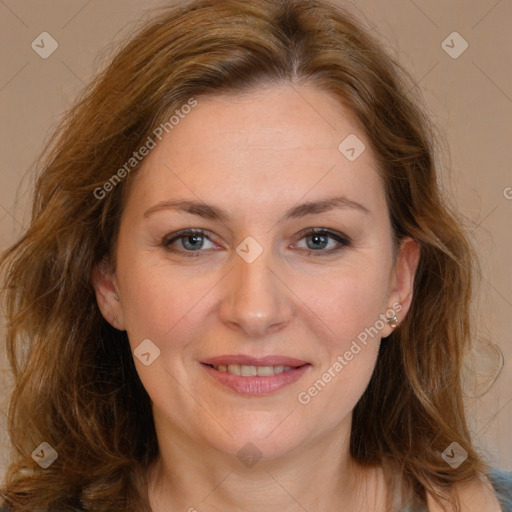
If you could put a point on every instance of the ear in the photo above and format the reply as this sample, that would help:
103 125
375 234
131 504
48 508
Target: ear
104 283
402 282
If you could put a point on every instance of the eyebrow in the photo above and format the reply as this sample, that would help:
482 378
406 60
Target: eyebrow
212 212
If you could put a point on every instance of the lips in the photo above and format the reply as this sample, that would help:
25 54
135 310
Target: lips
255 376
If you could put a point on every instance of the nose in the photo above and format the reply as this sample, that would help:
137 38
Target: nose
257 301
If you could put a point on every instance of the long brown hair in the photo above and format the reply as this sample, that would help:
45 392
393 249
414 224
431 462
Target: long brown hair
75 382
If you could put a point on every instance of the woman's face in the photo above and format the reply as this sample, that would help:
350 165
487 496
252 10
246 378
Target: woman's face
256 289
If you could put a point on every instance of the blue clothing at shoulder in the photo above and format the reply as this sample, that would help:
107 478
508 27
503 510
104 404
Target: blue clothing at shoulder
501 481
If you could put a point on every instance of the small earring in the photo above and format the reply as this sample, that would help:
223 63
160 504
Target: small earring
393 321
116 297
115 318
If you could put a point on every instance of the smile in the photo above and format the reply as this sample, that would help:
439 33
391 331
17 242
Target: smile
254 380
252 371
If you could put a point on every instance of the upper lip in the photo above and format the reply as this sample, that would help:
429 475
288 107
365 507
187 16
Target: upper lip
255 361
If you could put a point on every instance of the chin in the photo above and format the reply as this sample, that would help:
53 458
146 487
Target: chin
265 440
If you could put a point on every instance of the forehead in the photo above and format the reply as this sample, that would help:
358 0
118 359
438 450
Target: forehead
280 118
259 146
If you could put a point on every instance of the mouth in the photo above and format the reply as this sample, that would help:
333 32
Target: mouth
250 376
252 371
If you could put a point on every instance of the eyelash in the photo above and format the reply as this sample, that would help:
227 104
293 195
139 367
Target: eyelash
343 240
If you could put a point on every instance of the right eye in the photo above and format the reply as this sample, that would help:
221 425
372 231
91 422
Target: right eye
191 241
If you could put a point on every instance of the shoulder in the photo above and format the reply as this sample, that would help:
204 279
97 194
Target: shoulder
492 494
502 484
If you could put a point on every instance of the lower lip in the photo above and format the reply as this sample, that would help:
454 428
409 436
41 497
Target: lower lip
257 385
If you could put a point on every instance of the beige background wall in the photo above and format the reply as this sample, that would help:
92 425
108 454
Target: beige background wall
470 97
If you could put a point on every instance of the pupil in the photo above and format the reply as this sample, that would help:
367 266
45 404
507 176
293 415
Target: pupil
196 240
318 238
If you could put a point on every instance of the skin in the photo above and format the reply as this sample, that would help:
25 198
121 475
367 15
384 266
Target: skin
255 156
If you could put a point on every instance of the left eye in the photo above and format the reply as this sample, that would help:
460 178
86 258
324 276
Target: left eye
319 240
193 240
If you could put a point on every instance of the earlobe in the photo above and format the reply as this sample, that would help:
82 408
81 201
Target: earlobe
107 296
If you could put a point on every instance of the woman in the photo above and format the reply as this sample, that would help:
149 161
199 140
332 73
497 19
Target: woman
241 288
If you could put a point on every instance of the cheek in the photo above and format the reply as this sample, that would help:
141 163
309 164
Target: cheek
347 300
158 298
348 304
162 306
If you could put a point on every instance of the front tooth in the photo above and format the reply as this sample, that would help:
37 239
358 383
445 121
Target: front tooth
265 371
234 369
252 371
248 371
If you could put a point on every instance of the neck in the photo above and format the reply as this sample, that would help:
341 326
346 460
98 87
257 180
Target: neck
194 476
